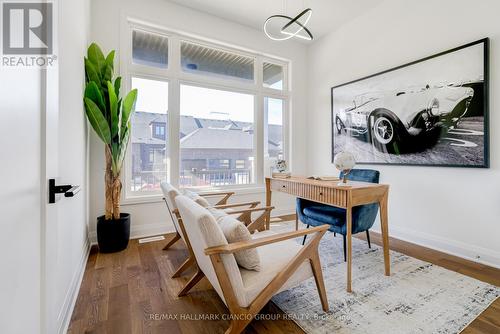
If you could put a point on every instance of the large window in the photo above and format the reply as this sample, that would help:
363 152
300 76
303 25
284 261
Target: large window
273 135
148 145
216 129
207 116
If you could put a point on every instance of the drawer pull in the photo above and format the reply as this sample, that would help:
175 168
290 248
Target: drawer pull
321 194
283 186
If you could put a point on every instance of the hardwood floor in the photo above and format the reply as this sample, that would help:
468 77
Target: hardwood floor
132 292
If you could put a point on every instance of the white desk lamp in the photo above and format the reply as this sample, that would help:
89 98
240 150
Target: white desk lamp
344 161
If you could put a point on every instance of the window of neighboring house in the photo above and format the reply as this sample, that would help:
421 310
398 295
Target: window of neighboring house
151 108
273 76
224 163
217 123
158 130
239 164
217 93
273 119
216 63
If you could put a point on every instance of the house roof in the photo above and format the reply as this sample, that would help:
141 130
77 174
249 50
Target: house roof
212 138
206 133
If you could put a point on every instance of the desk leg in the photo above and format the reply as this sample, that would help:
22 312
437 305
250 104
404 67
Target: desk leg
268 202
349 248
385 233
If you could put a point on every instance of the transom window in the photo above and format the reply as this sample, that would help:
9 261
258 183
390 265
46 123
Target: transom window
200 107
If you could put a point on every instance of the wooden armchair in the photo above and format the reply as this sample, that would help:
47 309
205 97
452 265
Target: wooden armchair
244 215
284 263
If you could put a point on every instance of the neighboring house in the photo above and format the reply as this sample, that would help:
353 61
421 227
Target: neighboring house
213 152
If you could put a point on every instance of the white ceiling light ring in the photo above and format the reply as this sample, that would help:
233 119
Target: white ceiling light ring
269 35
295 20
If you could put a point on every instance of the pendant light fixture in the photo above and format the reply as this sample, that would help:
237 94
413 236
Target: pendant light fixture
282 27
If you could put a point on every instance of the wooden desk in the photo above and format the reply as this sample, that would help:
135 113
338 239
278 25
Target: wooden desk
328 192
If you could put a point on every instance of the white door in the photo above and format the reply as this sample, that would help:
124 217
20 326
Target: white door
43 135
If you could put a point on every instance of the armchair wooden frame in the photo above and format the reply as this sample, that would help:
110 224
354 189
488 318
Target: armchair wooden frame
242 316
220 204
258 224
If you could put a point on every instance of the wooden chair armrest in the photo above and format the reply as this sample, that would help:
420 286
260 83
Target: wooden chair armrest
243 245
234 205
213 194
267 208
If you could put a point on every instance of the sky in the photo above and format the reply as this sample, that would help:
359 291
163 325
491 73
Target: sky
203 102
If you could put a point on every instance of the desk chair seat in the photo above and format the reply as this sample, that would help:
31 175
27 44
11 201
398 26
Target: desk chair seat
363 216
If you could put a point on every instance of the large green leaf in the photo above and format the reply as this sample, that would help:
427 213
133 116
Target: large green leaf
118 83
123 146
113 109
107 74
97 120
128 107
91 72
96 56
92 92
110 59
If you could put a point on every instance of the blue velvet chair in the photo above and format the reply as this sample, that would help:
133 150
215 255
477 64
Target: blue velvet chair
363 216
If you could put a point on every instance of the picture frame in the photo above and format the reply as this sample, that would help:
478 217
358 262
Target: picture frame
430 112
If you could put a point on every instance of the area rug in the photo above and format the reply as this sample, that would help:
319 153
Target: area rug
418 297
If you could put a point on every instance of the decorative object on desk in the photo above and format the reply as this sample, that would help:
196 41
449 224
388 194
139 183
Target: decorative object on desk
109 115
281 165
323 178
344 162
282 175
433 111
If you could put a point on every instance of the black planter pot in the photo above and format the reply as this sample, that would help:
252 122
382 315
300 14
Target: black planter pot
113 234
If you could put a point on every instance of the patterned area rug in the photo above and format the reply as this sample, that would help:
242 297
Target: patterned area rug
418 297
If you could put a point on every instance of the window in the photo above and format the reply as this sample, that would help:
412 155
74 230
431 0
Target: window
215 125
216 63
149 49
273 116
273 76
239 164
148 144
197 117
158 130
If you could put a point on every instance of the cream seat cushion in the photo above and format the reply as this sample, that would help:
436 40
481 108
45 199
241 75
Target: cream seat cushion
273 258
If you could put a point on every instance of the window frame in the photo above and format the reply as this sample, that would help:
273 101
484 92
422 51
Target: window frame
176 76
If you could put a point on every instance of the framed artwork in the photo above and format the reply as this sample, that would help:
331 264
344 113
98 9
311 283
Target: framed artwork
431 112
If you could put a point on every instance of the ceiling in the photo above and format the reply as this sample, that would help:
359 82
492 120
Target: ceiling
328 15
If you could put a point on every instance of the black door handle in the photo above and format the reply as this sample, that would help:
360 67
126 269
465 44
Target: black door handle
66 189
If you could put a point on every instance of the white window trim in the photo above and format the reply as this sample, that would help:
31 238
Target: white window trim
175 76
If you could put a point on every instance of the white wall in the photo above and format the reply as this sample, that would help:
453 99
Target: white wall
106 16
453 209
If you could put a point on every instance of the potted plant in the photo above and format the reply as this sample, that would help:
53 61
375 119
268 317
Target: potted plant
109 116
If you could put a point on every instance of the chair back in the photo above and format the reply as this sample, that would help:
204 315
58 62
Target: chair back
203 232
170 193
362 175
363 216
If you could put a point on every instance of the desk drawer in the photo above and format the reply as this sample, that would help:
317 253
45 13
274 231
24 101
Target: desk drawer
316 193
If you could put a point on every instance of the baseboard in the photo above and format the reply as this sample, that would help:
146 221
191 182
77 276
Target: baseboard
452 247
64 317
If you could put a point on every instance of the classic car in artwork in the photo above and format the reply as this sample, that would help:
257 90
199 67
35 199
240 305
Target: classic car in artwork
393 119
